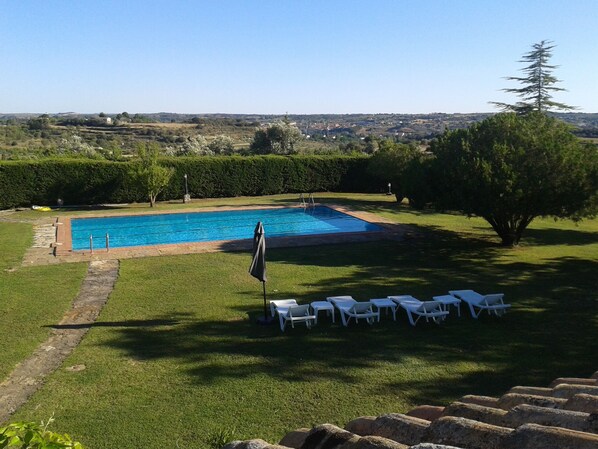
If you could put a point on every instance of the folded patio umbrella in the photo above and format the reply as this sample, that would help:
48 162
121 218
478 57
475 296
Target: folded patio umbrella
258 265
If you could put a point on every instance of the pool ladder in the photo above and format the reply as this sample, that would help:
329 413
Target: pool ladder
309 202
91 243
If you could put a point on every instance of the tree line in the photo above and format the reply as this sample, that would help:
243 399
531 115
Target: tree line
510 168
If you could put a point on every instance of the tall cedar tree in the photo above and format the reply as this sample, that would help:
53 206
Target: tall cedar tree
537 84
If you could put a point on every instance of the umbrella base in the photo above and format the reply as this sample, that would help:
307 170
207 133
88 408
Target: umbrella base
265 320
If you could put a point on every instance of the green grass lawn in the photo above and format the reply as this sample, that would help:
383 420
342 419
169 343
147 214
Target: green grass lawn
175 356
31 298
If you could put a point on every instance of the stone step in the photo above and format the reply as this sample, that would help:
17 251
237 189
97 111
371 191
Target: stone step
582 403
565 415
523 414
510 400
462 432
364 425
427 412
251 444
486 401
328 436
432 446
568 391
373 442
294 439
531 414
535 436
559 391
475 412
400 428
573 381
536 391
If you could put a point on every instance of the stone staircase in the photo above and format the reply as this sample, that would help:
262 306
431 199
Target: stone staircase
563 415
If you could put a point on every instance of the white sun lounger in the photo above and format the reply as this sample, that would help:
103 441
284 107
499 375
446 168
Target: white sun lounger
433 310
449 300
385 303
298 314
493 302
349 308
295 313
282 303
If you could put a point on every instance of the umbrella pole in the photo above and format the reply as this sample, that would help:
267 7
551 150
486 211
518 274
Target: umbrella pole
265 308
266 319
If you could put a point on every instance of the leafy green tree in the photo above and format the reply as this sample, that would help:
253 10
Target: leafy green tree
352 147
222 145
123 117
279 138
112 151
417 182
150 175
195 145
75 145
537 83
39 123
389 163
510 169
372 144
139 118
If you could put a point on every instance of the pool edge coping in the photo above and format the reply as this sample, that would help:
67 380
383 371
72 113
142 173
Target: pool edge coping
62 248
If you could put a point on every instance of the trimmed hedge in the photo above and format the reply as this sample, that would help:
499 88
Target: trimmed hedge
79 181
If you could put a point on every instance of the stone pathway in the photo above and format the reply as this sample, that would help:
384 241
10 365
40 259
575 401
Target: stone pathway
29 375
44 235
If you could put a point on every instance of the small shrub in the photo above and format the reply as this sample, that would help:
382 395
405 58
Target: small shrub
29 435
218 438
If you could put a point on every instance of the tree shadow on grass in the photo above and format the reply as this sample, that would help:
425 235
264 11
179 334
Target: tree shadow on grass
211 350
431 266
126 323
533 348
88 208
549 332
376 205
559 237
436 363
434 249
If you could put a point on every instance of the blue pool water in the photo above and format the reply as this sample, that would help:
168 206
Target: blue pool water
143 230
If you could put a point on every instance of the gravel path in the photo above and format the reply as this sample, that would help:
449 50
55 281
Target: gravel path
29 375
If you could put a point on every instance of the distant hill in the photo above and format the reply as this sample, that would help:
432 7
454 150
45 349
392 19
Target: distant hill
407 126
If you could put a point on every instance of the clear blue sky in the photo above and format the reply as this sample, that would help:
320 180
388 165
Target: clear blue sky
295 56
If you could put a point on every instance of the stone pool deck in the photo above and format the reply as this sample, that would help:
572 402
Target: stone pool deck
53 244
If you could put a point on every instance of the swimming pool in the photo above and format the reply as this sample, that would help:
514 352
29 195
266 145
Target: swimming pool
147 230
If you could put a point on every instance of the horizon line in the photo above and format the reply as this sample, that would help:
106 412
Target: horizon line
273 114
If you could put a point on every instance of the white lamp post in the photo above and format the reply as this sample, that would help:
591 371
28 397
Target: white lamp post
187 197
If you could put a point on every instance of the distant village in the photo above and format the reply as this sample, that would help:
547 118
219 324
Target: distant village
402 126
